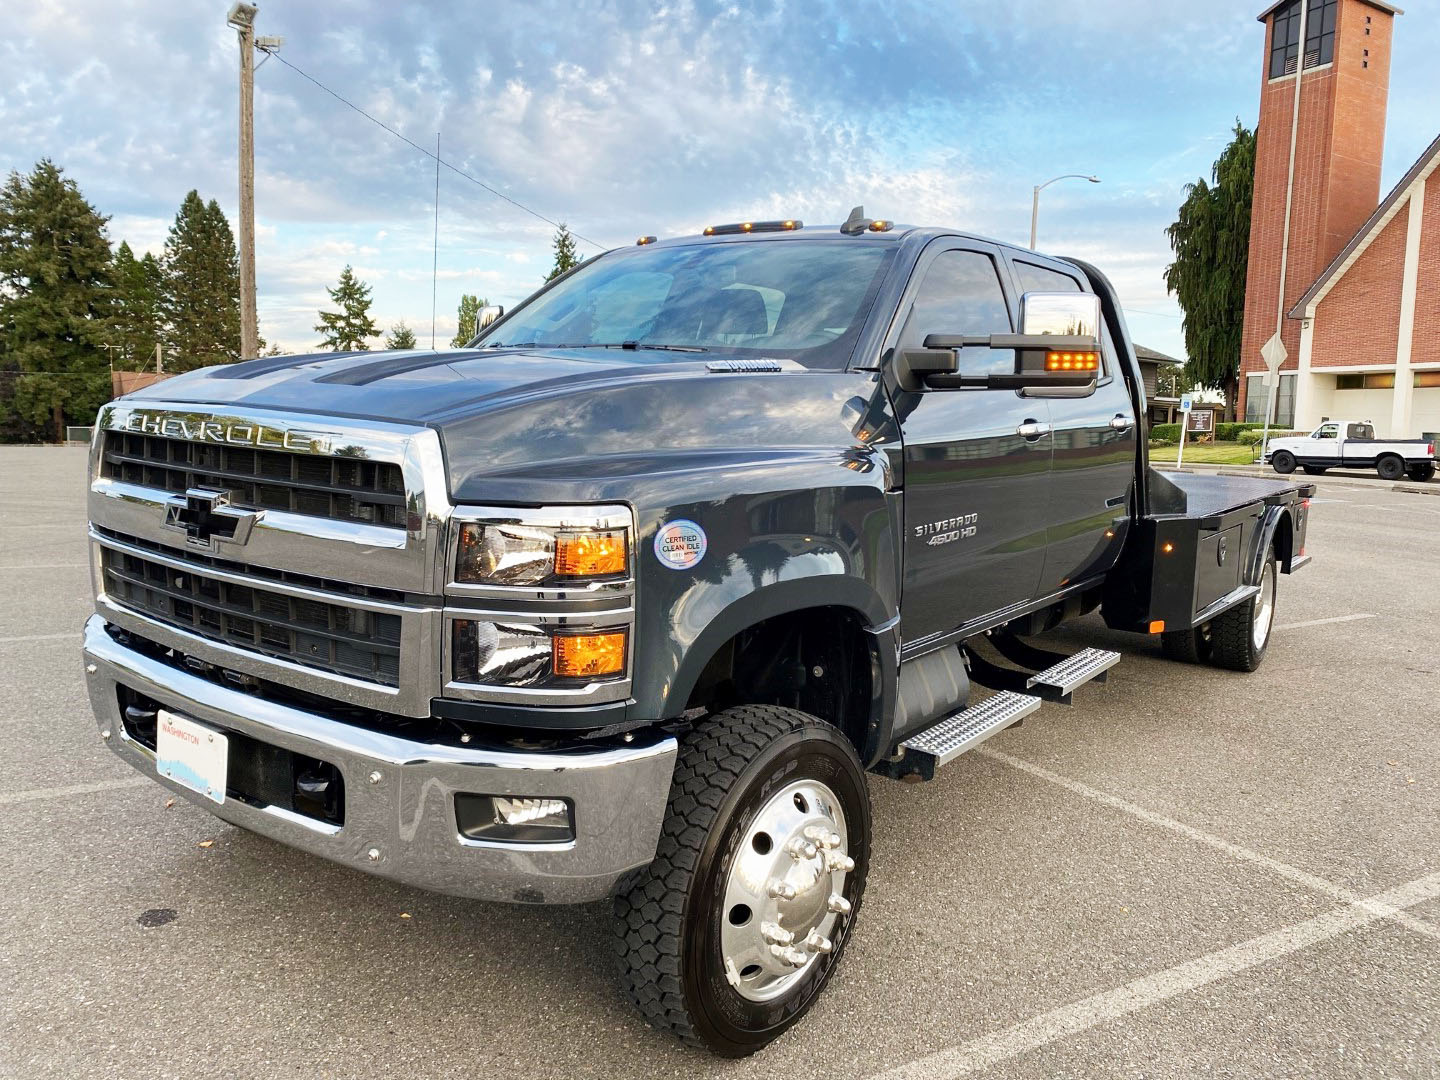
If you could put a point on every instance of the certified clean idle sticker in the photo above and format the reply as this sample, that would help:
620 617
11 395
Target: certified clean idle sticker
680 544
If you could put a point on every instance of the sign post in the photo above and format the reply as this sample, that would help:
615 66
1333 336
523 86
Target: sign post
1185 401
1274 353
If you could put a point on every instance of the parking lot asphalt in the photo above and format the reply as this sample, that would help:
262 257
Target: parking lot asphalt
1189 873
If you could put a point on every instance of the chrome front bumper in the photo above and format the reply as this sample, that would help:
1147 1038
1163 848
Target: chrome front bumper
400 820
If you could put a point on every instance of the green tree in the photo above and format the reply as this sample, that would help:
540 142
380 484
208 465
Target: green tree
466 318
565 256
137 319
1211 241
201 302
1171 381
348 329
400 337
55 302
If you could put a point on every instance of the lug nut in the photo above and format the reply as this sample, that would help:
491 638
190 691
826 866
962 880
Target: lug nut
776 934
833 840
373 854
839 904
817 942
792 956
803 849
375 777
105 734
781 890
843 863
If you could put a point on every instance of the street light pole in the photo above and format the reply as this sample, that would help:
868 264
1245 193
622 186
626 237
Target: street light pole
1035 201
242 17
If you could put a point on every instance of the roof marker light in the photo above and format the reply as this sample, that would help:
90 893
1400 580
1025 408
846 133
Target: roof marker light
644 240
788 225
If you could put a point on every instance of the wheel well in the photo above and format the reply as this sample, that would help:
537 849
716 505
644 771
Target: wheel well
816 660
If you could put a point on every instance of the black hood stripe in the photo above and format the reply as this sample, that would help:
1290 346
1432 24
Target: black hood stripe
251 369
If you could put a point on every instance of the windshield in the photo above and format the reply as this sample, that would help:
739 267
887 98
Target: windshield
801 300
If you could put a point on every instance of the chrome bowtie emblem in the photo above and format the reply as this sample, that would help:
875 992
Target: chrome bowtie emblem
207 519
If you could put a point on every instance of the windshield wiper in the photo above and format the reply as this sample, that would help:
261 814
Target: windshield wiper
595 345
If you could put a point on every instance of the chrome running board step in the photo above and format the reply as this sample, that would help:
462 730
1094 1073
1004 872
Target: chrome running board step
1058 682
942 743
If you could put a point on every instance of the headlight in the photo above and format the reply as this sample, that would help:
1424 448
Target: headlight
514 554
520 654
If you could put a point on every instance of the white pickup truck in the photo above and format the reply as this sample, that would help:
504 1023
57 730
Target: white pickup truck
1351 444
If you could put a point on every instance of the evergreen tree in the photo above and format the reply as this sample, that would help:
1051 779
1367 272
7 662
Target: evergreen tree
565 256
1211 240
55 303
202 288
348 329
400 337
466 317
139 290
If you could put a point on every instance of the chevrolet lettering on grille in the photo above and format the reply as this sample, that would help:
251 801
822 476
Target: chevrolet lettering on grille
207 519
229 433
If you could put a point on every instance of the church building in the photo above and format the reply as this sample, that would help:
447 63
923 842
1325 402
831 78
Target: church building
1359 314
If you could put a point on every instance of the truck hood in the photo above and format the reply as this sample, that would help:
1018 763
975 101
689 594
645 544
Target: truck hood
532 425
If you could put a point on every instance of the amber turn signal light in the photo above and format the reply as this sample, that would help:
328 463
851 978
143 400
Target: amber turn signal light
589 655
590 554
1072 361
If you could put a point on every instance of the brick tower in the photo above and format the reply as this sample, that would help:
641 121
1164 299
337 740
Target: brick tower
1337 161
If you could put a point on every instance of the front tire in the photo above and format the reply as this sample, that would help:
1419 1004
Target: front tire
731 934
1283 461
1241 635
1390 467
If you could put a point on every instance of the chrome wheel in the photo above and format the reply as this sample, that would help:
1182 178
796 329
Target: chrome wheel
786 891
1264 606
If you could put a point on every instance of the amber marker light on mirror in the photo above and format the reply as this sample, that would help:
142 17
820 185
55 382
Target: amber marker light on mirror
1157 626
1167 547
1072 361
589 655
590 554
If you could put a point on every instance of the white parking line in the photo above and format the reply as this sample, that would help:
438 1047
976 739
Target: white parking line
34 794
74 636
1275 866
1008 1043
1323 622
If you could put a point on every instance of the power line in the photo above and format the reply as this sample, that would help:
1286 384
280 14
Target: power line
438 160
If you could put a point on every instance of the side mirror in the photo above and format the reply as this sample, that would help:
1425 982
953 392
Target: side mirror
1057 352
487 315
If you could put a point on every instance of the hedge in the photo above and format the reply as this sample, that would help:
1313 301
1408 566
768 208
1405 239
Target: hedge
1223 432
1165 432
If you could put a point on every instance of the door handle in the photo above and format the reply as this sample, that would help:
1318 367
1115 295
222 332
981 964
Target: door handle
1032 429
1121 422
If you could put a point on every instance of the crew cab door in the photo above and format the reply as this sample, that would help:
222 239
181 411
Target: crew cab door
977 462
1094 459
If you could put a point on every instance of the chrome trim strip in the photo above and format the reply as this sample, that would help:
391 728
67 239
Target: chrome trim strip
177 562
403 826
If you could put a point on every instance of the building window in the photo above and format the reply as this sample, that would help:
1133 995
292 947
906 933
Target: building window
1378 380
1319 37
1257 396
1427 378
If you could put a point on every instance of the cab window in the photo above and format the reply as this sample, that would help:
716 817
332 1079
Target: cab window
1360 431
961 294
1327 431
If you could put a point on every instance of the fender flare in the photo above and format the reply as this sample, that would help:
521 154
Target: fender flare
1276 525
880 624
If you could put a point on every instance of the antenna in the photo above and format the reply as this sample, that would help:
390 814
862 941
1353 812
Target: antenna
856 223
435 258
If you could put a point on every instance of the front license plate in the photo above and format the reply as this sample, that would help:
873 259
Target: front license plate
192 755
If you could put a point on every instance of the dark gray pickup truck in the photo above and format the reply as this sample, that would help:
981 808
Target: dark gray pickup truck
624 599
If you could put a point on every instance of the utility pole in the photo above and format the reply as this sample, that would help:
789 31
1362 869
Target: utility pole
242 17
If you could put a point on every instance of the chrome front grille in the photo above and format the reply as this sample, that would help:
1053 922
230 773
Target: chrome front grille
337 488
312 633
332 587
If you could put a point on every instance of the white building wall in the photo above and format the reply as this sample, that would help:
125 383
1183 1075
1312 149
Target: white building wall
1424 411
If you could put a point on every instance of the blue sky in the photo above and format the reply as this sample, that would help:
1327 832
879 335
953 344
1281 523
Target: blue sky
631 117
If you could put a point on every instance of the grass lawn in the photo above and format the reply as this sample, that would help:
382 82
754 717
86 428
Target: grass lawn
1216 453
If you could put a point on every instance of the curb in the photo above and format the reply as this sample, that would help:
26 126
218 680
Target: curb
1416 489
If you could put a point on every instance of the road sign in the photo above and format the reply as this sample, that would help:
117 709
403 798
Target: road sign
1274 354
1185 402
